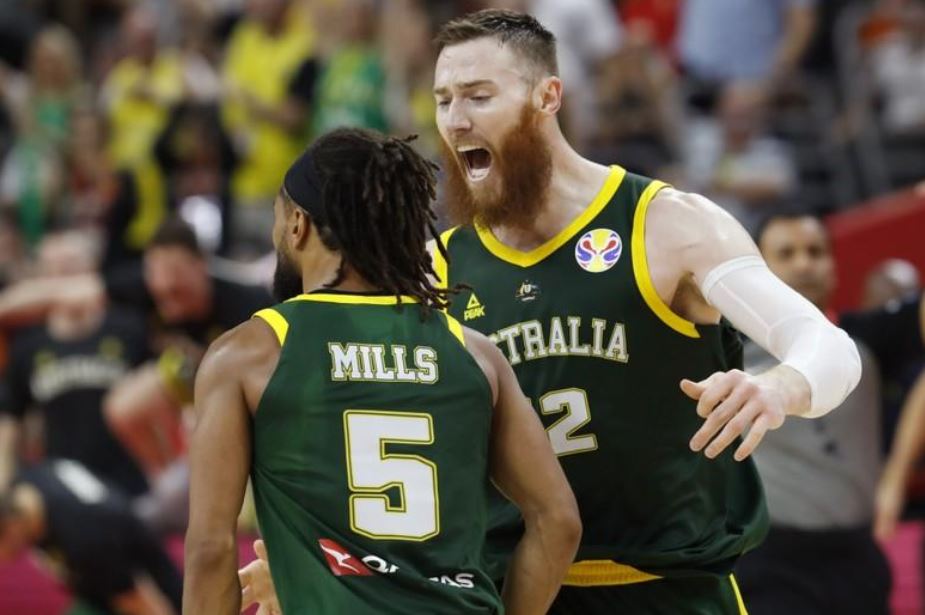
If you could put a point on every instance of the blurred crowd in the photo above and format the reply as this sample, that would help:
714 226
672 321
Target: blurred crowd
142 143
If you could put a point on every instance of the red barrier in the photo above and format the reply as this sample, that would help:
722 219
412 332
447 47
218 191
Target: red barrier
888 227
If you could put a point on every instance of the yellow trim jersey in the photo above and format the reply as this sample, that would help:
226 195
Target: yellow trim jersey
370 463
601 356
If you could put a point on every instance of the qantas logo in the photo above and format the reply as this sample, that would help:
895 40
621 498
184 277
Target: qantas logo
343 564
340 561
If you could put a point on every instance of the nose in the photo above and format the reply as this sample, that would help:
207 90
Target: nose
457 121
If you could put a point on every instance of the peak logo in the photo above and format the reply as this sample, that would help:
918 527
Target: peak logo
340 561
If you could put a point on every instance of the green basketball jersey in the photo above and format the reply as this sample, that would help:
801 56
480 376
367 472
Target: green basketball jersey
370 463
602 357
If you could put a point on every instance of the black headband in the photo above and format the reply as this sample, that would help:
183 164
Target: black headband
303 185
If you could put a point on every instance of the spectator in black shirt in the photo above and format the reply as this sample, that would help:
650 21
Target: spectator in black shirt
193 308
188 307
89 536
65 367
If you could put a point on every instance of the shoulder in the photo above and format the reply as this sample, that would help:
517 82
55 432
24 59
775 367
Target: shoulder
239 351
682 209
694 230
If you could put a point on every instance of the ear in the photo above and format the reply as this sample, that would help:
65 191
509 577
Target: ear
298 229
548 95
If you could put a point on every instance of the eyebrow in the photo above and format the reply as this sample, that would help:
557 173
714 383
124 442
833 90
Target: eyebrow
468 85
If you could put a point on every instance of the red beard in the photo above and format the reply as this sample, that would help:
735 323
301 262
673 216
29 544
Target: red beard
524 164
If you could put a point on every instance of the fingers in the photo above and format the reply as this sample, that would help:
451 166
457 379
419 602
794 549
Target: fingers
716 388
246 574
753 439
692 389
740 421
695 390
260 548
247 598
717 419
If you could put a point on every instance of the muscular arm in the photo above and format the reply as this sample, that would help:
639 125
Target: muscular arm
220 458
703 264
525 469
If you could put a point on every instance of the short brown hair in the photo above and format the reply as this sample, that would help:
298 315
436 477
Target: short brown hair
521 31
175 232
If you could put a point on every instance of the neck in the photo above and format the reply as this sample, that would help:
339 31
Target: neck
316 276
574 184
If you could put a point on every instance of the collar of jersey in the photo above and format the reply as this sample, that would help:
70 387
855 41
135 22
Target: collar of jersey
353 298
534 256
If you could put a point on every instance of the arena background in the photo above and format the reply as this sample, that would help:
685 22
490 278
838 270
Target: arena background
117 115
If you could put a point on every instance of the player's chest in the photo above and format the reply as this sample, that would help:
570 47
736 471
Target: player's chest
553 308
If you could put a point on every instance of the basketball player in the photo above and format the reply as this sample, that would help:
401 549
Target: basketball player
605 291
368 420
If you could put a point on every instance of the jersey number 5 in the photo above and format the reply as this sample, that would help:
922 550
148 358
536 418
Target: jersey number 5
371 472
574 402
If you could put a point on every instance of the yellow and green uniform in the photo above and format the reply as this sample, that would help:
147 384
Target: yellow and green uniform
136 122
601 357
370 463
263 64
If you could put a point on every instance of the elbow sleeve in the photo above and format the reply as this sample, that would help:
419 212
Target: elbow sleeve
784 323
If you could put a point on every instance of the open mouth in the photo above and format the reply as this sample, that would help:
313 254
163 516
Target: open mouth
477 161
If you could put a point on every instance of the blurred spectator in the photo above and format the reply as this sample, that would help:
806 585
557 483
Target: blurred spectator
12 253
196 161
140 89
893 280
269 79
821 476
757 41
899 72
91 183
894 287
658 19
188 308
65 368
351 85
40 104
123 205
409 58
639 114
42 100
588 35
18 24
734 161
90 540
194 308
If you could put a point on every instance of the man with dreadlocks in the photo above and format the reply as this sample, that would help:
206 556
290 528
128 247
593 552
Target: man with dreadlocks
369 421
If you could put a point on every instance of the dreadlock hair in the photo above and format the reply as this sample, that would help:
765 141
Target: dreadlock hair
376 200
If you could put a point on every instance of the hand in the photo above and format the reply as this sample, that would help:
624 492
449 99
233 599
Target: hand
733 402
888 504
257 584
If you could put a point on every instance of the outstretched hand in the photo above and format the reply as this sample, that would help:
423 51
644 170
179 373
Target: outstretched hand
257 584
733 403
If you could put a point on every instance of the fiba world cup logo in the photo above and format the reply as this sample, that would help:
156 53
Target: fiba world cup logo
598 250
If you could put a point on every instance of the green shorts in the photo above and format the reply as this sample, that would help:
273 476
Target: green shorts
671 596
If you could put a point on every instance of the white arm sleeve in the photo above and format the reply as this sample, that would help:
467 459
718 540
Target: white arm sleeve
788 326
